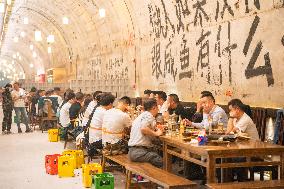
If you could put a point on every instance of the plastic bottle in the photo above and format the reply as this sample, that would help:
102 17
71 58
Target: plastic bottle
220 124
181 126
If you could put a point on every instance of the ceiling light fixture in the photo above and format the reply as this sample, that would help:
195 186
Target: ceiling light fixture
26 20
102 13
49 50
38 35
65 20
23 34
50 39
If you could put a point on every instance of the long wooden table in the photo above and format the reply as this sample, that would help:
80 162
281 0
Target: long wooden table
206 155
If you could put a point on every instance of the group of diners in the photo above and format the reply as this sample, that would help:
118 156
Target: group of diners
106 121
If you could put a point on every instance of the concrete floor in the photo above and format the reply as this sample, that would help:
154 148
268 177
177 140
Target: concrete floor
22 162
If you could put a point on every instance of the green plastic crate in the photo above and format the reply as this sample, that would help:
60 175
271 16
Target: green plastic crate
103 181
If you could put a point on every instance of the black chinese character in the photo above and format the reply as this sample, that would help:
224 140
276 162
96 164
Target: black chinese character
251 71
199 10
184 60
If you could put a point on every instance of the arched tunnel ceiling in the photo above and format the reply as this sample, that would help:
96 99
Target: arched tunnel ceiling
72 40
157 44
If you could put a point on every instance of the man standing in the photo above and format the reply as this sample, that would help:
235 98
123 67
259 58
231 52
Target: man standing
18 96
7 105
142 133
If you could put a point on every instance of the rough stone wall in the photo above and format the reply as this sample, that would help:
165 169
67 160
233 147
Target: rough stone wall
179 46
187 46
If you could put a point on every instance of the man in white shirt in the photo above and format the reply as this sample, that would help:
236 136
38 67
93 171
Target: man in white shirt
56 93
141 135
64 118
18 96
239 121
211 113
115 122
161 98
90 108
95 130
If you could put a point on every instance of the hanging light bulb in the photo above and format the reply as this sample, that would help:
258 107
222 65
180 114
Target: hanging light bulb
2 7
16 39
31 47
65 20
49 50
26 20
50 39
102 13
9 2
23 34
14 56
38 35
31 65
34 54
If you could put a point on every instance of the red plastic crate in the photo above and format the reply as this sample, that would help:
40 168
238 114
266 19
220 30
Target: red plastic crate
51 164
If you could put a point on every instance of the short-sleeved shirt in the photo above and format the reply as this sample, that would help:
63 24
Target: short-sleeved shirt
137 138
88 112
179 110
246 125
64 117
74 110
163 108
114 123
16 94
217 114
95 131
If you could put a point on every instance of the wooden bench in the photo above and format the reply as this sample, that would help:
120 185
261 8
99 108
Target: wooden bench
268 184
150 172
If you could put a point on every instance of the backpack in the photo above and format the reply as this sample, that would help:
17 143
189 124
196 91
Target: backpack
86 128
58 109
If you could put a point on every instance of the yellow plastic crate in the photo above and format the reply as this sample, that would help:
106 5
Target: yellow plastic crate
78 155
79 158
88 170
53 135
66 166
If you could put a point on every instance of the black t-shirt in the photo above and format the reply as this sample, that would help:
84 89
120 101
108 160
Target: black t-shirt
74 110
179 110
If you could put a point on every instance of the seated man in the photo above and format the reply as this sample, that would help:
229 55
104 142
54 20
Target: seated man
211 112
147 93
95 130
75 107
161 98
64 118
198 115
90 108
115 122
142 133
239 121
174 106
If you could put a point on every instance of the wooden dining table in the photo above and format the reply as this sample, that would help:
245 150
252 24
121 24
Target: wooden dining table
206 155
